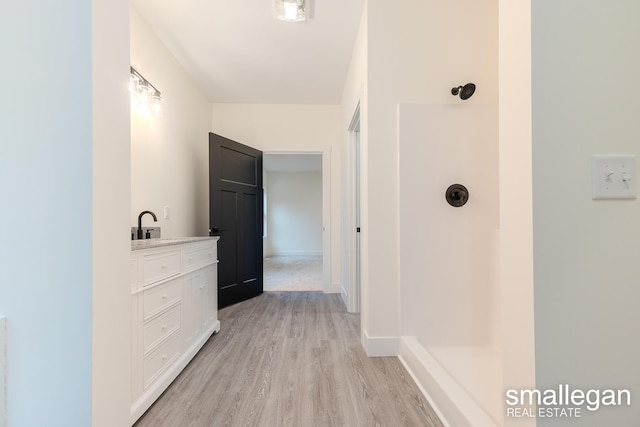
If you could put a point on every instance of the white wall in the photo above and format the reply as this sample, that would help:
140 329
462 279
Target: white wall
290 128
294 213
516 216
111 182
586 252
169 154
53 187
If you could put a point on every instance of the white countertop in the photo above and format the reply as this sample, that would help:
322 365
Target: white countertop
156 243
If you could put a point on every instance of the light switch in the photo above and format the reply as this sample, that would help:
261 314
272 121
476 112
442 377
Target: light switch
613 177
166 212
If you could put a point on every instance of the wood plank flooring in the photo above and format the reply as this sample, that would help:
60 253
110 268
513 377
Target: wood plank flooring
290 359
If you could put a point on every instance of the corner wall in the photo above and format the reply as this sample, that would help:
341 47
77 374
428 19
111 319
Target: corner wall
169 154
516 216
587 321
111 201
59 288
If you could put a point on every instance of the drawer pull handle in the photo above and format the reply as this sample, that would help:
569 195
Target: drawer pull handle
164 296
164 357
164 327
190 259
163 266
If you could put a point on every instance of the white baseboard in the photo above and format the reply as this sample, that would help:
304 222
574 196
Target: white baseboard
380 346
450 401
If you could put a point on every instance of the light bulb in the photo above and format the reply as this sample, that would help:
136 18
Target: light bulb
134 81
290 10
144 88
145 92
157 108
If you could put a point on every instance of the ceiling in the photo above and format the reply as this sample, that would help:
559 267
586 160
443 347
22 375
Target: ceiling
237 52
292 162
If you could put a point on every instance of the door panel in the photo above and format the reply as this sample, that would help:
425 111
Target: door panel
238 167
250 270
228 244
235 185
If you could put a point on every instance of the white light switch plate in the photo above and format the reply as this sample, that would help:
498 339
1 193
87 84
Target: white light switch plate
613 177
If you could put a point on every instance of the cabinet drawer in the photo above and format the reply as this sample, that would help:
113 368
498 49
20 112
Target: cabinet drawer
159 328
161 297
160 266
161 358
199 256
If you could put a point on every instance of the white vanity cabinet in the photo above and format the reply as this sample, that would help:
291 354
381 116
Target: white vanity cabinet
200 294
174 308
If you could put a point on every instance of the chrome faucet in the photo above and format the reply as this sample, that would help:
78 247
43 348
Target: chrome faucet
140 235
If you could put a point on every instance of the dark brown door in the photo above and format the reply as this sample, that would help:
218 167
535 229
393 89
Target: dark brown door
235 209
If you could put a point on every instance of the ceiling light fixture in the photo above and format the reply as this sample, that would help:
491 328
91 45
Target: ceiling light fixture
292 10
145 98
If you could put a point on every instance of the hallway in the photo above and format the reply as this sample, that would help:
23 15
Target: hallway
290 359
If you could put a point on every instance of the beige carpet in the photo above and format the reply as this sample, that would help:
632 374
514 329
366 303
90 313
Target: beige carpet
293 273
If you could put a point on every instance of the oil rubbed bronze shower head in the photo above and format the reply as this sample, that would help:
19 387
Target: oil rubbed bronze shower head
465 91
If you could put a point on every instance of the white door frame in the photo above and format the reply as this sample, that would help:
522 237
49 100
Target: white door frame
326 210
354 253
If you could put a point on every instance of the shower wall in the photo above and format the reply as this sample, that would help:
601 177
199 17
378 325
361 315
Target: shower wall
447 254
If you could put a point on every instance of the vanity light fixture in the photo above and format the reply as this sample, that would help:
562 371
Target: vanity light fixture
292 10
145 98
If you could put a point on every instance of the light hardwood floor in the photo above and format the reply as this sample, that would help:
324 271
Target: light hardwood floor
290 359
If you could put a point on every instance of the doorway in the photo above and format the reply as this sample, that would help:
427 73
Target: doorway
296 221
351 293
